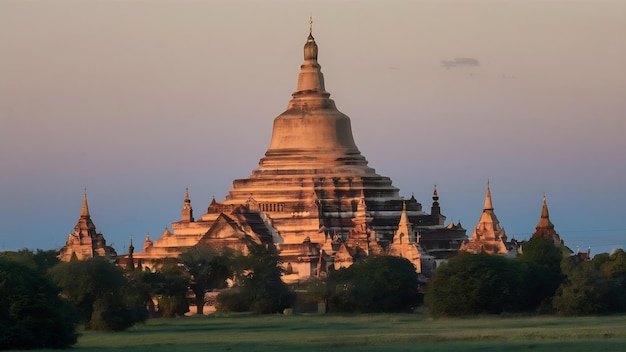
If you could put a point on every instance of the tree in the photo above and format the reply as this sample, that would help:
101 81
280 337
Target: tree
208 269
169 290
584 291
41 260
261 288
99 290
542 260
377 284
613 269
31 313
472 284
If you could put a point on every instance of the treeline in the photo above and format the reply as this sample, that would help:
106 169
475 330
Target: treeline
44 300
543 279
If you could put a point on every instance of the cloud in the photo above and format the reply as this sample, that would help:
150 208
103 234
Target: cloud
460 61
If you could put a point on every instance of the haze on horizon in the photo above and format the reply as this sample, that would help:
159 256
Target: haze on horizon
137 100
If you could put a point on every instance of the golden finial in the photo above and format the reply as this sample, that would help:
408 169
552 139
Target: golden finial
311 24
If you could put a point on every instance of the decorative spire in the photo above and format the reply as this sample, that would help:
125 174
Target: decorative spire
544 208
544 221
488 204
187 212
404 228
435 210
310 78
84 211
130 265
148 242
310 48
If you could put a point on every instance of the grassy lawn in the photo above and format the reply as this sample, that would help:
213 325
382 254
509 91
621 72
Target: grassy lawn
389 332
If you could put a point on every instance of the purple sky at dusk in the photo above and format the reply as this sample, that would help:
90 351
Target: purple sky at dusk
136 100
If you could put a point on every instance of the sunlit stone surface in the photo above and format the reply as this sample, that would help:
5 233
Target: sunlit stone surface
488 236
85 242
313 196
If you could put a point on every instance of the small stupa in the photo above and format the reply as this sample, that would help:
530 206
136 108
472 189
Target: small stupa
85 242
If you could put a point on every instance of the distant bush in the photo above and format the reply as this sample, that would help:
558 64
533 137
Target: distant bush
477 284
172 306
377 284
231 300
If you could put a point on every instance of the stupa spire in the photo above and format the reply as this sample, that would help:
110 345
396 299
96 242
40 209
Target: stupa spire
312 123
488 204
544 221
544 208
310 79
84 211
404 227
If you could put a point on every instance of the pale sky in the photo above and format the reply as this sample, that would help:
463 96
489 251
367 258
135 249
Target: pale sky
136 100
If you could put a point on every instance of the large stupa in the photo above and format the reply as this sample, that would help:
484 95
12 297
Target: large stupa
313 175
313 194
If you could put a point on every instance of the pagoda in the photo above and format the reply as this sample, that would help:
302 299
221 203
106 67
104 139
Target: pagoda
488 236
545 227
85 242
313 195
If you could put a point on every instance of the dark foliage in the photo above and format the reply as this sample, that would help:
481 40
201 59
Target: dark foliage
596 287
101 293
168 284
208 268
310 294
31 313
584 291
40 260
614 270
542 261
232 300
378 284
472 284
260 286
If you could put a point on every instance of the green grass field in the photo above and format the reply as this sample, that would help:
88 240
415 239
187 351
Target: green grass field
389 332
